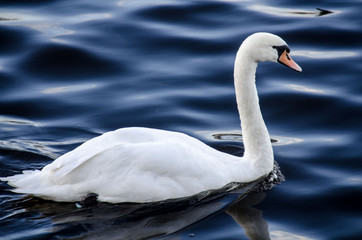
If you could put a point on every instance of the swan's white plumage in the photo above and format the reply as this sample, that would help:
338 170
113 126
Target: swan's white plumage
133 165
146 165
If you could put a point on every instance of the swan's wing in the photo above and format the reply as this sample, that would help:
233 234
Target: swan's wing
95 146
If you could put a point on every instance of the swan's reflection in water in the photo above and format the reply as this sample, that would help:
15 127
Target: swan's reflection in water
249 218
162 220
132 221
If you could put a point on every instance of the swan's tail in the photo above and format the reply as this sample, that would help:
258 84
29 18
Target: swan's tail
36 184
28 182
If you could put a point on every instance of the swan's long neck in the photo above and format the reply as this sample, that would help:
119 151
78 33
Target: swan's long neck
258 149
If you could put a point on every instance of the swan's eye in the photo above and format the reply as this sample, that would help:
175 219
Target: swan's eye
281 49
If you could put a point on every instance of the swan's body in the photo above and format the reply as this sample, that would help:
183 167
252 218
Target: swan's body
146 165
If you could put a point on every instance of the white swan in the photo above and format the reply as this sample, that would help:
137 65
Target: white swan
147 165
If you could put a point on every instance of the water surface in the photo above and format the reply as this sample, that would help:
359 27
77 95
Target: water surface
71 70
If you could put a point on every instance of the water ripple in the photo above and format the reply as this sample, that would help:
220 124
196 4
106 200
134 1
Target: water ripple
71 70
325 54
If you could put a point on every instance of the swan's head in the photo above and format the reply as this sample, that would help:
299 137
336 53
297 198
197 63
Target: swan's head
262 47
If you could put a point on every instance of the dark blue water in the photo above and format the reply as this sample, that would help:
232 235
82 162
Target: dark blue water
71 70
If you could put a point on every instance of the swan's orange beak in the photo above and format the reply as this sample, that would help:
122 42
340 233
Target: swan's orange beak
288 61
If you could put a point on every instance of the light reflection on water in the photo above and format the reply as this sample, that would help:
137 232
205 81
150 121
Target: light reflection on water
53 28
284 235
301 88
70 88
289 12
325 54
